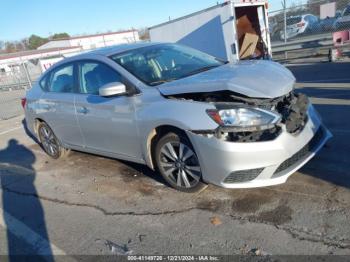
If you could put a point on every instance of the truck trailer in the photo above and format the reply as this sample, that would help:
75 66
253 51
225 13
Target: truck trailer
231 31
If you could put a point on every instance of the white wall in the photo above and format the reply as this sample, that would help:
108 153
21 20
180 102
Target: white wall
47 63
55 44
211 31
93 42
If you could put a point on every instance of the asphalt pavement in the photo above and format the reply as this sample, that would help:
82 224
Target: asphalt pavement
325 72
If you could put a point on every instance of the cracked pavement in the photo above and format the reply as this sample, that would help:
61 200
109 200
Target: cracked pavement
86 204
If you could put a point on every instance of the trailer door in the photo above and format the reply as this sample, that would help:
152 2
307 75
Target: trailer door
252 31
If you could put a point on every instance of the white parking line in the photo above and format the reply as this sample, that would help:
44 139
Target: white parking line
10 130
327 80
323 85
329 101
300 64
20 230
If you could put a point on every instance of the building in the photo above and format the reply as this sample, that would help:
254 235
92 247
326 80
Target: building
88 42
20 68
12 62
28 65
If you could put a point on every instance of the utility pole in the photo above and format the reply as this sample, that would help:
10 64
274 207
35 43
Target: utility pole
285 20
284 4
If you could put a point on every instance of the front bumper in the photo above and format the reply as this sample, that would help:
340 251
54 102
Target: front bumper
266 163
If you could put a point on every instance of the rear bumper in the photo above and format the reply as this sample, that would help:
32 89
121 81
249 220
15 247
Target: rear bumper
258 164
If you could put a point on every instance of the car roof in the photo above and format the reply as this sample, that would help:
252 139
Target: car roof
104 51
115 49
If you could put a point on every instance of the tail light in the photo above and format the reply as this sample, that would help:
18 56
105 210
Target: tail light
23 102
301 24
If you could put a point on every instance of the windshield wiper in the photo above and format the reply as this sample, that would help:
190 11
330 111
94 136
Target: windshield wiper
158 82
200 70
197 71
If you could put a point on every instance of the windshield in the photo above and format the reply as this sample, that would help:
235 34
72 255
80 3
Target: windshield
162 63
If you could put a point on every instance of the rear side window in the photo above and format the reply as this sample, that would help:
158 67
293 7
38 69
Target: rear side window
43 83
62 80
94 75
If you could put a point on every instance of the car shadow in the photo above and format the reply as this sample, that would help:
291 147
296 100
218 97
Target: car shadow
22 210
332 163
28 133
146 171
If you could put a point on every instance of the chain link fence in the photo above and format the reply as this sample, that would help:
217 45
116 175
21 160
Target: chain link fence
304 30
15 79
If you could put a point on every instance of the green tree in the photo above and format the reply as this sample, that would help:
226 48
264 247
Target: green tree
35 41
60 36
144 33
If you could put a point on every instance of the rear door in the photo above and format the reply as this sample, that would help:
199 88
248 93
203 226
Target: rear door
57 104
107 123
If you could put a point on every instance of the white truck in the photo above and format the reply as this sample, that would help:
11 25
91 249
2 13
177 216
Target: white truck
230 31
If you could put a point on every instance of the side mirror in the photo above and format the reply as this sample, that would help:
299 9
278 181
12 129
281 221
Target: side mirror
112 89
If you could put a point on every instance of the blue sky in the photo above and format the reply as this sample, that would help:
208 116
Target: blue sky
21 18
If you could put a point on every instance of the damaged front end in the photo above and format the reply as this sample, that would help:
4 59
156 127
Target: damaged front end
288 111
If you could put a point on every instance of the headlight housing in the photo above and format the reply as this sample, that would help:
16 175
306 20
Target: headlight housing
245 118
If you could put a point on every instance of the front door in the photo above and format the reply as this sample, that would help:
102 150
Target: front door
107 123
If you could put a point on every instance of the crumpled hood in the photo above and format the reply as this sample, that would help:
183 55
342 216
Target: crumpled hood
257 79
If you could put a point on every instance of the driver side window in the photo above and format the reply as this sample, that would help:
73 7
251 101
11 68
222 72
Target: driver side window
94 75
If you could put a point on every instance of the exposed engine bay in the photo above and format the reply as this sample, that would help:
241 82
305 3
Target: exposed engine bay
292 108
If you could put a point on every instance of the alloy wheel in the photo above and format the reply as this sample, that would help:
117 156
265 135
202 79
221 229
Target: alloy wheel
180 164
49 141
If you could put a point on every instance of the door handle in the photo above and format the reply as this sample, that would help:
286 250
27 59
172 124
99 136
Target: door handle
83 110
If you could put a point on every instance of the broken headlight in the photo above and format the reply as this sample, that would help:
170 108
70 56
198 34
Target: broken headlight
245 118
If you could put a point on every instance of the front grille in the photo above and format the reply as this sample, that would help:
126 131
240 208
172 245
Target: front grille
243 176
301 154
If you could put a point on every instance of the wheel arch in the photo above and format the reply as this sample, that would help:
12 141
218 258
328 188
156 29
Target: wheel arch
37 122
153 136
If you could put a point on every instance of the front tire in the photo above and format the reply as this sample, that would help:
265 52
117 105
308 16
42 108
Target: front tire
50 143
177 162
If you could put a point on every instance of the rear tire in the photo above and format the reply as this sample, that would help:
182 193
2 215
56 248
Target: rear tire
177 162
49 142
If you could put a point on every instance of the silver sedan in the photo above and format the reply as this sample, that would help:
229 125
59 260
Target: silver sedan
193 118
